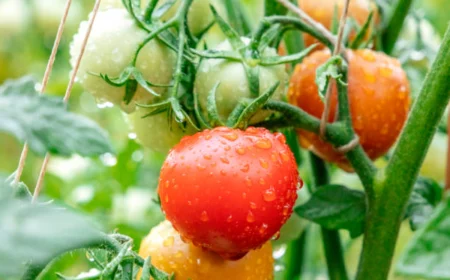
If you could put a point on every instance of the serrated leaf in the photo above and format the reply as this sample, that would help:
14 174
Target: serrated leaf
325 72
428 253
45 124
38 233
336 207
425 196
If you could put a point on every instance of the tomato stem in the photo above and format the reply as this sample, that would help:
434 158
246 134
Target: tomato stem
447 170
395 25
331 240
393 185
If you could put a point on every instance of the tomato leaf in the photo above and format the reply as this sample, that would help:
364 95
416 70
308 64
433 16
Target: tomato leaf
428 253
325 72
45 124
425 196
336 207
36 233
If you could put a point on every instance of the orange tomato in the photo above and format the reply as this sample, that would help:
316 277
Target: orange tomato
378 92
171 254
323 12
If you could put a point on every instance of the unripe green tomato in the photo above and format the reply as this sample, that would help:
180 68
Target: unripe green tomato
234 84
110 49
435 161
155 133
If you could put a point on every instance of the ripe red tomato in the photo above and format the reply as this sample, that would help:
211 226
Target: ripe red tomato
169 253
379 99
229 190
323 12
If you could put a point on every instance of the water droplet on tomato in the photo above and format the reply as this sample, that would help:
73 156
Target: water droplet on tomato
253 205
280 137
276 236
223 172
262 181
250 217
204 217
285 156
300 183
168 242
227 148
286 210
208 136
224 160
264 164
166 198
233 136
240 150
230 219
245 168
200 166
207 157
269 195
263 143
263 228
167 183
248 181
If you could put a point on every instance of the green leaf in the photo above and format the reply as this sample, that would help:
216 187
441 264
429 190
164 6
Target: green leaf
428 253
335 20
425 196
237 16
362 32
162 9
325 72
45 124
36 233
336 207
229 32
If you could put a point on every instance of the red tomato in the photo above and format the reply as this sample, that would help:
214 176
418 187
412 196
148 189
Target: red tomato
378 92
229 190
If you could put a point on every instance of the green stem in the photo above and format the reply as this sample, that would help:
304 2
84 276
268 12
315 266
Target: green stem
395 24
273 7
149 10
331 239
393 186
237 17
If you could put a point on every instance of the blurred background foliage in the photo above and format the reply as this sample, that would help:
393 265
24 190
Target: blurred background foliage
119 191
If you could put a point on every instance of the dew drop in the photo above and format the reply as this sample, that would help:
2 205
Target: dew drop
264 164
263 228
252 130
224 160
208 136
230 136
168 242
240 150
166 198
204 217
245 168
179 255
207 157
263 143
300 183
250 217
286 210
248 181
227 148
167 184
244 195
223 172
200 166
274 158
280 137
262 181
269 195
230 219
285 156
276 236
132 135
386 72
253 205
368 55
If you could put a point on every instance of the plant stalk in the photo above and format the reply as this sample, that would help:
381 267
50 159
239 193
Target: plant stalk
331 240
395 24
393 185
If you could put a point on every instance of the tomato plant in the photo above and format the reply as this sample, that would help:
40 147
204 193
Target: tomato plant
215 137
170 253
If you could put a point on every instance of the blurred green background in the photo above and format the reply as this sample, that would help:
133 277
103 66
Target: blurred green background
119 191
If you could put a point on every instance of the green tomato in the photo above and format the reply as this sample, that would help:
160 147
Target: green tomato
435 161
155 133
234 84
110 49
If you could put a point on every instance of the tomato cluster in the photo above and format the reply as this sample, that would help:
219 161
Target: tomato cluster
227 191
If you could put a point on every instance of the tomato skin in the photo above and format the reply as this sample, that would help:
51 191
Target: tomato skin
322 11
379 100
171 254
155 133
234 83
229 190
110 49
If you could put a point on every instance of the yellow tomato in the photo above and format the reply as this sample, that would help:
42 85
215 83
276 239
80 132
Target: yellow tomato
170 254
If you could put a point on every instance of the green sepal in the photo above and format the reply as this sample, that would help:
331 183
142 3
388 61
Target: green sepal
216 54
130 90
325 72
146 269
231 34
276 60
161 10
111 267
252 78
254 106
269 36
237 16
211 107
356 43
198 113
